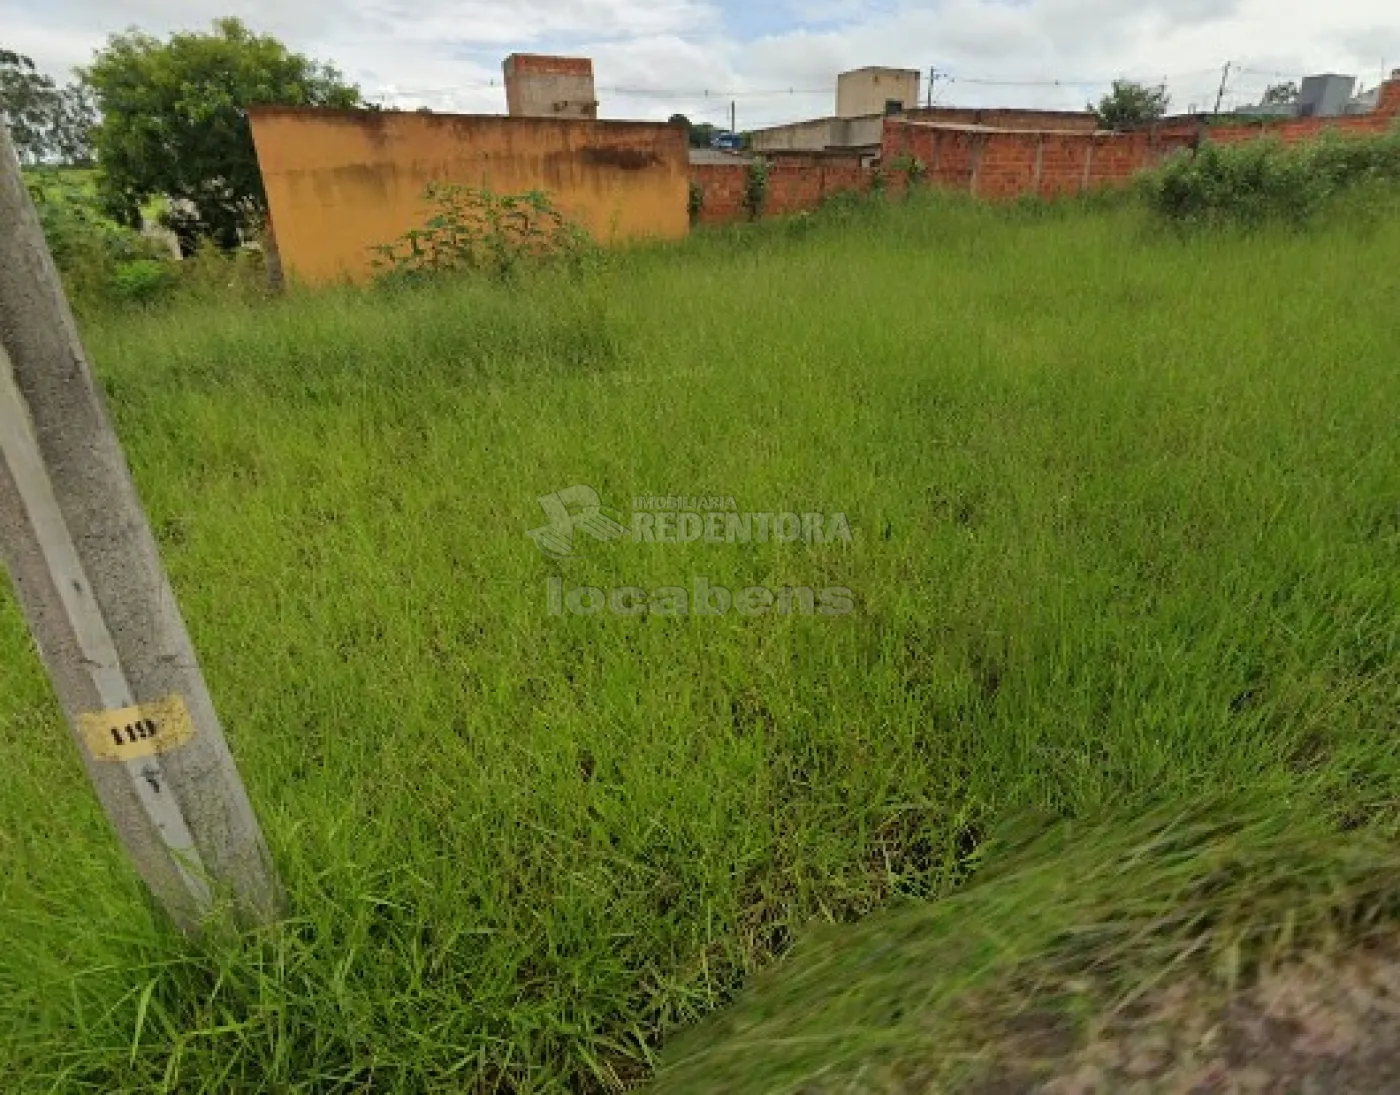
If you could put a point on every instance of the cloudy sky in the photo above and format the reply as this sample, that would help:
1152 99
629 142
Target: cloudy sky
776 59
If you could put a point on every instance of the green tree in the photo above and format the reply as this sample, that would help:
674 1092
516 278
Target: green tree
681 119
25 95
1130 104
175 123
48 123
1281 94
702 135
73 120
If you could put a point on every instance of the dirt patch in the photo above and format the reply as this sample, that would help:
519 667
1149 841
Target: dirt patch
1315 1026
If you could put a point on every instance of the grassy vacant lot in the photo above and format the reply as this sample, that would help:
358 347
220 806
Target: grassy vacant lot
1126 518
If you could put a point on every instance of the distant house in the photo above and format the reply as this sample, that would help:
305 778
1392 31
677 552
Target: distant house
1327 95
864 98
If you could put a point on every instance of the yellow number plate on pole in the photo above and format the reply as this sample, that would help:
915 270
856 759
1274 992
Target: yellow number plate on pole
132 733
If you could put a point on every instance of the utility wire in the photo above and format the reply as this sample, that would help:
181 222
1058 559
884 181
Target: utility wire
723 93
659 93
944 78
1065 81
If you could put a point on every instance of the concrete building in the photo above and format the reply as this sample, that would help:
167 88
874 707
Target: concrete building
864 97
861 134
1327 95
550 87
1365 102
876 90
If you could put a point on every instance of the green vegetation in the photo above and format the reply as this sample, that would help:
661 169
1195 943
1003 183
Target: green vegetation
1073 923
1126 527
756 186
702 134
1130 104
109 267
913 169
1251 183
48 124
472 229
1281 93
102 262
695 202
175 124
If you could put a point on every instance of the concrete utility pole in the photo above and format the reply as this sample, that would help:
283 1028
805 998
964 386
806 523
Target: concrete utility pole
1224 81
89 579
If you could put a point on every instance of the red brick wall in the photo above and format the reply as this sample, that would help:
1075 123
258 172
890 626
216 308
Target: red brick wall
995 163
723 185
1080 121
538 64
795 183
1298 130
1389 105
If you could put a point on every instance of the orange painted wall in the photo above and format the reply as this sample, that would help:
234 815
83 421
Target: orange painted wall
340 182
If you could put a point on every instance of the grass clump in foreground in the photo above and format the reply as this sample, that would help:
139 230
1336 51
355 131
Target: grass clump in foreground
1125 537
1079 924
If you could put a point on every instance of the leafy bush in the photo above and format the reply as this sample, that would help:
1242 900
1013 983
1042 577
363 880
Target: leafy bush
474 229
143 281
695 202
1265 180
101 261
756 187
911 167
234 277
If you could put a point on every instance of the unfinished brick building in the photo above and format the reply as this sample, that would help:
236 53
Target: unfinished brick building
550 87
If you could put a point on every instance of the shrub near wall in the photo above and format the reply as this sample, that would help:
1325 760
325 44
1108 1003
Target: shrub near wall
101 262
1268 180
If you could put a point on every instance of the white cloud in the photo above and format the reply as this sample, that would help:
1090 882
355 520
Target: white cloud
448 53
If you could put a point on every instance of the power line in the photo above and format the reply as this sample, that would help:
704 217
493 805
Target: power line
747 93
941 76
1063 81
707 93
652 92
1267 75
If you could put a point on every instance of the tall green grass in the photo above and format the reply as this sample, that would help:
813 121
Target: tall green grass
1126 517
1074 926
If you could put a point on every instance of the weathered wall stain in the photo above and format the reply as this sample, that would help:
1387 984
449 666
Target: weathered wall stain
628 159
